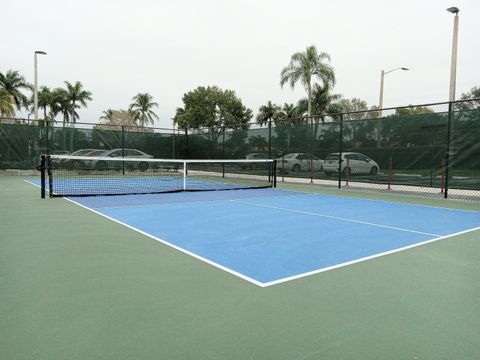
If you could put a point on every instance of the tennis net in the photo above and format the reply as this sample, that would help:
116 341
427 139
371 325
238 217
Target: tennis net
64 175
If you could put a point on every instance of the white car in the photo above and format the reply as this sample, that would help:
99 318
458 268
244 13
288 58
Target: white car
358 164
299 162
125 153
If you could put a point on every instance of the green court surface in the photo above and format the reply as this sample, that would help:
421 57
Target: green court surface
74 285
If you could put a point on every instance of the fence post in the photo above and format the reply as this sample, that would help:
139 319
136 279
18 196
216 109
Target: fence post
223 151
173 142
390 165
283 168
340 150
347 172
186 143
47 128
442 173
450 149
311 171
269 138
123 149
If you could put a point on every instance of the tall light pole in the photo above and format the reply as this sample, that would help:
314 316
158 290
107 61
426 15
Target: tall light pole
35 90
453 79
453 64
382 76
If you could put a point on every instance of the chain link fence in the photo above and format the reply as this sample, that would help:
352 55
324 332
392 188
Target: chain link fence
431 149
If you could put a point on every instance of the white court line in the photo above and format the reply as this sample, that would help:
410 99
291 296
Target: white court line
336 218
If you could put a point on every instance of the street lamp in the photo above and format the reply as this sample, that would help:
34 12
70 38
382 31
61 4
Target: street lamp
382 76
451 98
453 64
35 90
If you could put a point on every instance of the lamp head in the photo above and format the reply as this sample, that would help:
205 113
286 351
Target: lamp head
453 10
404 68
40 52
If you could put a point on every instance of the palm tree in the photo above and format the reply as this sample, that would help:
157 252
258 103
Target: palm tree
323 102
267 113
288 111
142 108
44 99
6 104
59 104
107 115
77 97
303 67
13 83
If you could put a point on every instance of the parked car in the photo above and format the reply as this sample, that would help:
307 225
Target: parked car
299 162
254 165
125 153
358 164
77 164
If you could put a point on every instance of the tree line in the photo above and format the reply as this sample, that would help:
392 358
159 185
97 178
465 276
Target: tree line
65 101
208 107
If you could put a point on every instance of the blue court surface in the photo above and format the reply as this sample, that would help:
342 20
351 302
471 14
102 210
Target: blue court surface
269 236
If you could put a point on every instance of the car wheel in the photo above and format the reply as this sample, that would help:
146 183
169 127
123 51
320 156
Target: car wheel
143 166
296 167
374 171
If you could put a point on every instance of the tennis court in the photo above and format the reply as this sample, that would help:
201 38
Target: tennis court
269 236
238 274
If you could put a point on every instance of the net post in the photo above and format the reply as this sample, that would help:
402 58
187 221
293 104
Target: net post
184 175
48 166
41 167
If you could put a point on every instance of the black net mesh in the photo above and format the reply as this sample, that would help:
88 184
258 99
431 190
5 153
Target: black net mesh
89 176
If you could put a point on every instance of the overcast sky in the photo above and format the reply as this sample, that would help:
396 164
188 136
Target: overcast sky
119 48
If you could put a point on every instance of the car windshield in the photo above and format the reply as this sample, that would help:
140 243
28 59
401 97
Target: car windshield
288 156
96 153
332 157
